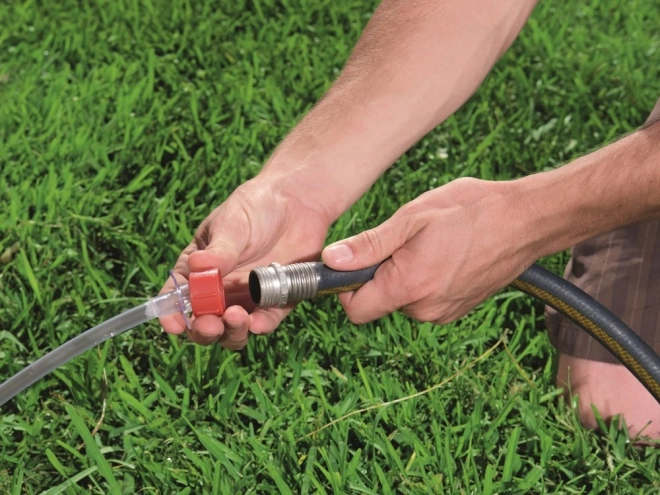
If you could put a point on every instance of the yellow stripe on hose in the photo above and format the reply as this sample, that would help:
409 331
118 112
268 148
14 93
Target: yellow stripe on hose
595 331
337 290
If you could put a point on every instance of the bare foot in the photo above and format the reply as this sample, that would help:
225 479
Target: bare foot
613 390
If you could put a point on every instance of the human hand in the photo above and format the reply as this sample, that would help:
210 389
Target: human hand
256 225
448 250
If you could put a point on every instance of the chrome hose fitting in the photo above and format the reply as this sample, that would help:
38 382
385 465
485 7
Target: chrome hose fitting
276 285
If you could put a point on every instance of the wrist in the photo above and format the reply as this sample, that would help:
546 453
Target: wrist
333 155
596 193
554 212
294 189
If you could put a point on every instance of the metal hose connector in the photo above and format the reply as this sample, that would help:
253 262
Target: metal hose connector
276 285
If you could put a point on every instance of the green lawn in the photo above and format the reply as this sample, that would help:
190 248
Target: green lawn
122 124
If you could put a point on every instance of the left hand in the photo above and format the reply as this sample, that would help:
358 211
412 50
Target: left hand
259 223
449 249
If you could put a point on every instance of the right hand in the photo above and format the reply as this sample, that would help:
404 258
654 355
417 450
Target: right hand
257 225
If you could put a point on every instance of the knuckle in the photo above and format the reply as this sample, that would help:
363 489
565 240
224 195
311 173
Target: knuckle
466 181
416 293
409 293
181 265
412 217
372 240
442 320
424 314
233 345
355 312
202 235
356 318
412 208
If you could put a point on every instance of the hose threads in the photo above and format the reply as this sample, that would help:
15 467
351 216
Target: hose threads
276 285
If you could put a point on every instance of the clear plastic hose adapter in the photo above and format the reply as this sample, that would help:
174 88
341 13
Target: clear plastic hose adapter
177 301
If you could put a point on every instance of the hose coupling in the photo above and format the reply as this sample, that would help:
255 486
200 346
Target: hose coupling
276 285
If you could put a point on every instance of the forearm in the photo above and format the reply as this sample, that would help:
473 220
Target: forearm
612 187
415 64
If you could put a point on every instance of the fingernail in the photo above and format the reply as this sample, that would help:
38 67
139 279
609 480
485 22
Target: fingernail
339 253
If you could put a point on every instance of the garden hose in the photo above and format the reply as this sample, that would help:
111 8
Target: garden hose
277 285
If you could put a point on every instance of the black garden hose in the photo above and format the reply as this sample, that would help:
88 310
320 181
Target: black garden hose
278 285
597 321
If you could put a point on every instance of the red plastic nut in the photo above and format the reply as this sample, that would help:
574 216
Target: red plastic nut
207 294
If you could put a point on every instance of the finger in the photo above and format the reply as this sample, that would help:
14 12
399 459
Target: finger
368 248
174 323
206 329
181 266
228 234
224 236
200 261
382 295
266 320
237 322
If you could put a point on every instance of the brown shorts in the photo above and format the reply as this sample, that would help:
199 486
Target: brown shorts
621 269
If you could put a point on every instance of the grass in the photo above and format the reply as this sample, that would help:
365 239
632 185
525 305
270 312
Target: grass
124 123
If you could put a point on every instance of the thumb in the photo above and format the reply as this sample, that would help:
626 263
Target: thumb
223 252
199 261
365 249
224 238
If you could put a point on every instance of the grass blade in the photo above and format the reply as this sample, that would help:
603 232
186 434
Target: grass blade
93 451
